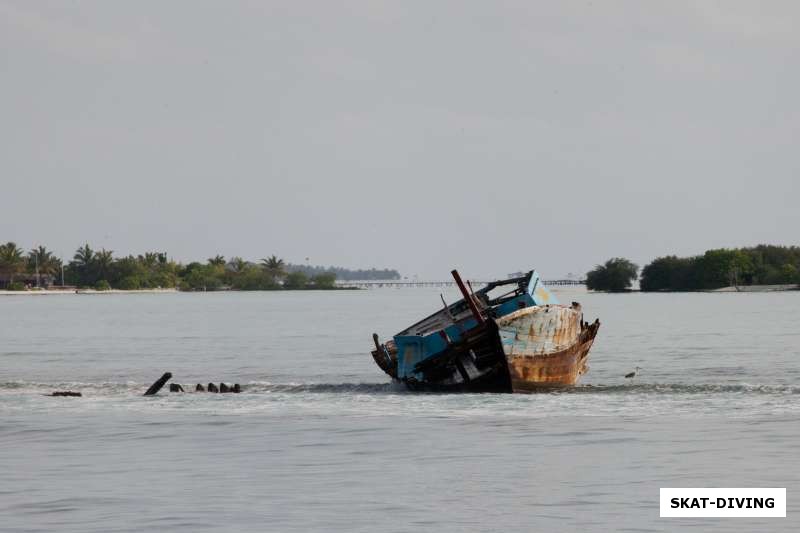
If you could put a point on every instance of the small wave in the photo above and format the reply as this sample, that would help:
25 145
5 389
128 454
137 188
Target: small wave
334 388
682 388
251 387
266 387
38 386
636 388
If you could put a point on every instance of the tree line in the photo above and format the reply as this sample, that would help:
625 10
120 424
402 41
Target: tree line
758 265
90 268
345 274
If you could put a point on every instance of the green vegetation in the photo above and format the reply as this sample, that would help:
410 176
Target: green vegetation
325 280
296 280
100 270
15 266
43 260
760 265
274 268
12 261
615 275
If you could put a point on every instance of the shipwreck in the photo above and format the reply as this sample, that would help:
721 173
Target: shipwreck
510 336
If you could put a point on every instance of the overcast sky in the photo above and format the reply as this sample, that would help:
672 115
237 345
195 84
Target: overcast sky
488 136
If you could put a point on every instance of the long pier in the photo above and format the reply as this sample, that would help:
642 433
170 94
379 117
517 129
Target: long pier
405 284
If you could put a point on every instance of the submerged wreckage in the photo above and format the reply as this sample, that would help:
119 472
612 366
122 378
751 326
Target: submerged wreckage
518 341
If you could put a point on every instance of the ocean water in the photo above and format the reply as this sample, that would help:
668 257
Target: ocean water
320 440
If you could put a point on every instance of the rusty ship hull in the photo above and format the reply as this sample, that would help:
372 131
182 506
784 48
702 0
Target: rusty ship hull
546 346
521 341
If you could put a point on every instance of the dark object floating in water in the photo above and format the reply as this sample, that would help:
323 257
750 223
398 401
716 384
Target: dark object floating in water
66 393
518 341
223 388
174 387
155 387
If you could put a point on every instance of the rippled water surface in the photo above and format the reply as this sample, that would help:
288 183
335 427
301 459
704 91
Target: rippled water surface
321 440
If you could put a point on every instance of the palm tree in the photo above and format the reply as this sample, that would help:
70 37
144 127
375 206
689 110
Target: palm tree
84 256
149 259
82 266
103 260
274 267
41 261
217 260
237 265
37 258
11 260
44 259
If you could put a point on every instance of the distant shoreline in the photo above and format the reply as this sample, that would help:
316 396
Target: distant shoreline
740 288
50 292
758 288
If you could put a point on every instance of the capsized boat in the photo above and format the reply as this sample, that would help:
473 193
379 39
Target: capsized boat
519 340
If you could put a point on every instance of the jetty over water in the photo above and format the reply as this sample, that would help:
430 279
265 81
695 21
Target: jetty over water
410 284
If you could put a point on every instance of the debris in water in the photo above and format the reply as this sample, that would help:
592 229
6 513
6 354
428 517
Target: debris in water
155 387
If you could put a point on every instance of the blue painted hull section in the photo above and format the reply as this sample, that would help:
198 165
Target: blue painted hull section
414 348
